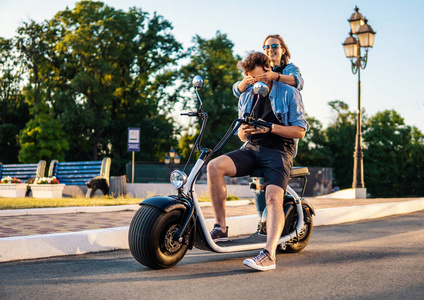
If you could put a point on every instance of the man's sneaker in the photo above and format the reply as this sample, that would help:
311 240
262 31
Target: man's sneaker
217 234
261 262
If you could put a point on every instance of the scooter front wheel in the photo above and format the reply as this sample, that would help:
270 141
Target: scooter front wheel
150 237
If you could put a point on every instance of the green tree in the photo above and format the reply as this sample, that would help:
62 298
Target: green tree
312 149
340 142
112 70
14 111
43 136
388 141
33 51
42 139
213 60
413 171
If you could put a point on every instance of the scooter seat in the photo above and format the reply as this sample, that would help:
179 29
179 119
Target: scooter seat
294 172
299 172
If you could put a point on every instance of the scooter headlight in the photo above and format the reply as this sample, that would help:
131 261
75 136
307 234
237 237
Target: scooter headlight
178 179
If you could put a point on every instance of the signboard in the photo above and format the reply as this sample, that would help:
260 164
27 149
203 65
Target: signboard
133 147
133 139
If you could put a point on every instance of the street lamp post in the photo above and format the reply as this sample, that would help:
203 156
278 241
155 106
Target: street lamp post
360 37
172 157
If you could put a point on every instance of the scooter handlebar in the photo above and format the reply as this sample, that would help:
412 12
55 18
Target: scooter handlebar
263 123
190 114
255 122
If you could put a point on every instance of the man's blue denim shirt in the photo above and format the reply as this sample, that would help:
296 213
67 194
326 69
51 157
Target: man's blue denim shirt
286 103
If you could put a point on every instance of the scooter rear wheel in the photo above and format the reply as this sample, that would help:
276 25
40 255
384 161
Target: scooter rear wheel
304 234
150 237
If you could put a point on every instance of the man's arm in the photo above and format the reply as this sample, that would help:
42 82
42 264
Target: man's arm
296 113
290 132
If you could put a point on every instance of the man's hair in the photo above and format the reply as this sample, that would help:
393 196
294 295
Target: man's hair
285 57
254 59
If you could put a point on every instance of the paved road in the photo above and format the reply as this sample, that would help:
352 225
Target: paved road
379 259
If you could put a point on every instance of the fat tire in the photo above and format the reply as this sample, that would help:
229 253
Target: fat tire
304 240
147 237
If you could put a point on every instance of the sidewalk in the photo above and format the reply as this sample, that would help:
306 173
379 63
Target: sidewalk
51 232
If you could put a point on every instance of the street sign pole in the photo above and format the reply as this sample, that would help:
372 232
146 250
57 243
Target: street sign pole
133 162
133 146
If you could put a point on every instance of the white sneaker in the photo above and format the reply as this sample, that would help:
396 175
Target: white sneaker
261 262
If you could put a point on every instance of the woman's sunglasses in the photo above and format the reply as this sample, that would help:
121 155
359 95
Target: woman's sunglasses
272 46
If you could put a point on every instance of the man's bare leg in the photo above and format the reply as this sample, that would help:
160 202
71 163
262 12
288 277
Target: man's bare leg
275 217
217 169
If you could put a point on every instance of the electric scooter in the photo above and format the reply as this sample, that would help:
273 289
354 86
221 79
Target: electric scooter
165 227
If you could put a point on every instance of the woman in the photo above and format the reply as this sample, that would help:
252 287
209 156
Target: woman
281 70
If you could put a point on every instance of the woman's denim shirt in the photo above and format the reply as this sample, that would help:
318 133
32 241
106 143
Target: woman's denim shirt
292 69
286 103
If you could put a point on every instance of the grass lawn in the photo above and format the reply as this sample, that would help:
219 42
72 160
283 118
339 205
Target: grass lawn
29 202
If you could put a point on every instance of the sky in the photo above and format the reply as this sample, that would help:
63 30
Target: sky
313 31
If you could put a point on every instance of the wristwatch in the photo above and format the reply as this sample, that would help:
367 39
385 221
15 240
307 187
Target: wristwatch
272 128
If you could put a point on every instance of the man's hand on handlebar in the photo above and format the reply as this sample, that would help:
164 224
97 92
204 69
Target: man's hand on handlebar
251 129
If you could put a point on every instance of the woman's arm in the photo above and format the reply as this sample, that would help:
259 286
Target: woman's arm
247 80
294 72
271 75
287 79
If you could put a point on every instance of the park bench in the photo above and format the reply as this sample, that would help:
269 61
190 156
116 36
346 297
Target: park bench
93 174
24 172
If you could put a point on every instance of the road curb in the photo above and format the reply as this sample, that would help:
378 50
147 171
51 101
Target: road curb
93 209
59 244
331 216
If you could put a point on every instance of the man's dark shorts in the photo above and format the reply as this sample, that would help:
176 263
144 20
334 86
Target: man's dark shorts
275 163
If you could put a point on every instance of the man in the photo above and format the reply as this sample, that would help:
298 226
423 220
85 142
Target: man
269 149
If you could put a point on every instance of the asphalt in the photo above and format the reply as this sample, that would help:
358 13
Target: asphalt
36 233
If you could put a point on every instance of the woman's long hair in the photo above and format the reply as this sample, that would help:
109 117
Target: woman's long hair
285 57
